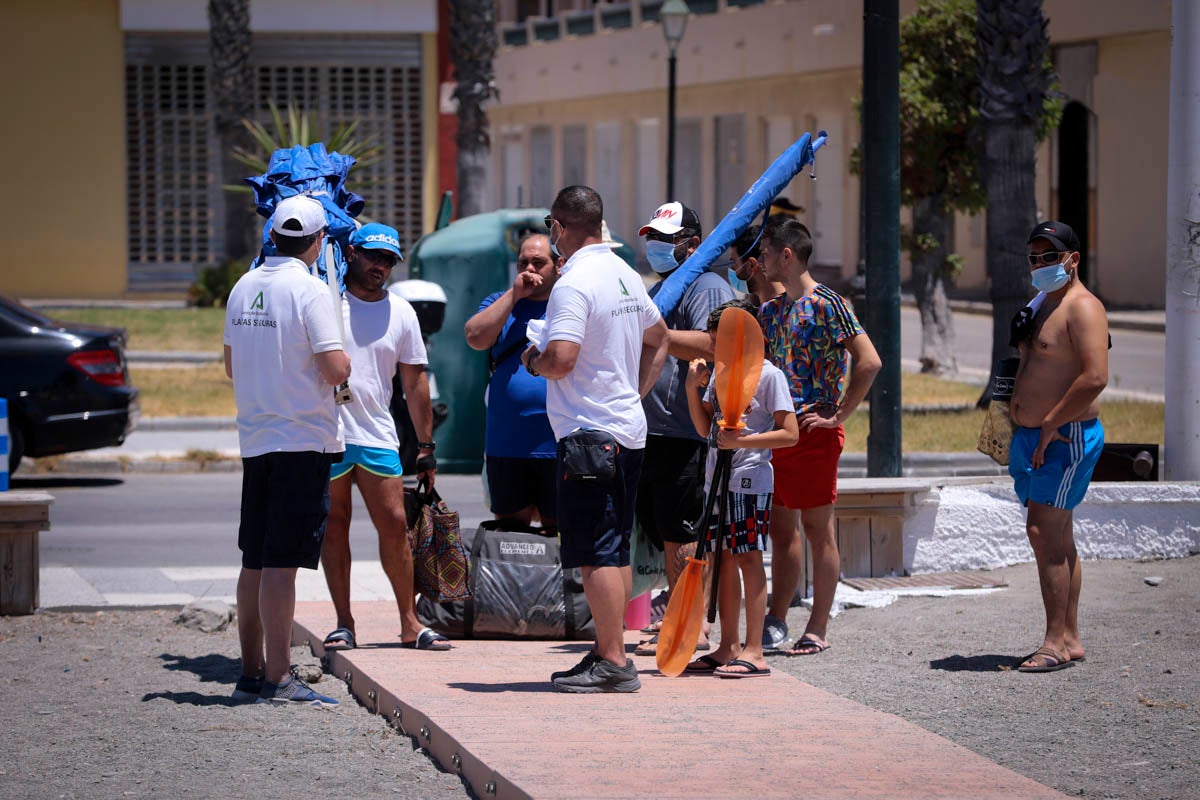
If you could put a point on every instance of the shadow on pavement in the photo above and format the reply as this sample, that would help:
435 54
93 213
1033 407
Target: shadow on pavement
193 699
497 688
211 668
987 663
62 482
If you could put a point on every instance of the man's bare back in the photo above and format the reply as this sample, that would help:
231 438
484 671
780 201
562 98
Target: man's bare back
1052 357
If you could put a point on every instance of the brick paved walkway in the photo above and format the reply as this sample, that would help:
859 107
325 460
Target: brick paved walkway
487 710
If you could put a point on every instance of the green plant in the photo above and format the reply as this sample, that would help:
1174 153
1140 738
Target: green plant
213 284
299 127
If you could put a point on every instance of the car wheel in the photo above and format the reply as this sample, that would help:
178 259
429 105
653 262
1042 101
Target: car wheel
16 445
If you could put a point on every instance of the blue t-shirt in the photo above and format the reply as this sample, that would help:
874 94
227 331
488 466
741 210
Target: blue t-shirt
517 425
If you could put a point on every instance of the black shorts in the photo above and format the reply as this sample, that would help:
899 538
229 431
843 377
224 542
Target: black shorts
517 483
596 517
671 492
285 503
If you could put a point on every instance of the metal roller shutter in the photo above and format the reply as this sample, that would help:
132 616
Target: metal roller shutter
174 201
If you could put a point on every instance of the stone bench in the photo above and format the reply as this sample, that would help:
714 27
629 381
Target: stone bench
22 516
869 517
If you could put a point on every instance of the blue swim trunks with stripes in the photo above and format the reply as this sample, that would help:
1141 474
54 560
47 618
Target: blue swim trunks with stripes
1062 480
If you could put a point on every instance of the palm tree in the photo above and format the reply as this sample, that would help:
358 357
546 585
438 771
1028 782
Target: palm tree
229 41
1015 76
472 48
939 163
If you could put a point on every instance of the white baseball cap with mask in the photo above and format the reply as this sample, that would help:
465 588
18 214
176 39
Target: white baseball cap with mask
298 216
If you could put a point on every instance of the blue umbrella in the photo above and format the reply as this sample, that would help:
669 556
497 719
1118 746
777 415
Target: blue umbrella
755 201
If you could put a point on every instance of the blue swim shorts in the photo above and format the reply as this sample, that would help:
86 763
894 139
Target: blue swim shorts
380 461
1063 478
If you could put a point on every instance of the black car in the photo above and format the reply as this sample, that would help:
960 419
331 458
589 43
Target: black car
66 383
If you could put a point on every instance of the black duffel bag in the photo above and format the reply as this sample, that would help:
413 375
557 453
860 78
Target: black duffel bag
519 590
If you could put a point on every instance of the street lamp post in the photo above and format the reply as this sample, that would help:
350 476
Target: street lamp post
674 15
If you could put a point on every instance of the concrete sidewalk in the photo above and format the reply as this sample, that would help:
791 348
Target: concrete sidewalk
487 711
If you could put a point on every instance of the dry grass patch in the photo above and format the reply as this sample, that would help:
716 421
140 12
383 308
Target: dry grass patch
195 329
202 391
957 431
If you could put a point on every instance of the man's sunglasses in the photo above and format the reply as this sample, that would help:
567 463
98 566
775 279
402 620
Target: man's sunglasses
549 222
669 238
1048 257
376 257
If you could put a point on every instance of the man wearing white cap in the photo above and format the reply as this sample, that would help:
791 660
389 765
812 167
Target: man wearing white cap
671 493
382 337
284 353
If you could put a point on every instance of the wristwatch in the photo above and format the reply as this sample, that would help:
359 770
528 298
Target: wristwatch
426 445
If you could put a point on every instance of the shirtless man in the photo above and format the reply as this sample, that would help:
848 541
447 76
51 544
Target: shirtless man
1064 367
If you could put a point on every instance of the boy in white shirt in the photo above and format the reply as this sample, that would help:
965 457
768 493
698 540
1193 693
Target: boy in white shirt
770 423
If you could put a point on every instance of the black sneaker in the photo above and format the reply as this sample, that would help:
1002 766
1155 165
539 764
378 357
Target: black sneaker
601 676
247 689
587 661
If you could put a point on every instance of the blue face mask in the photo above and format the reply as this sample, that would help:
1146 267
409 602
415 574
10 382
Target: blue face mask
737 283
1050 279
661 256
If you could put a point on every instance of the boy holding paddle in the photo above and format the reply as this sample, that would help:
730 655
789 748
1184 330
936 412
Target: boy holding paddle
769 423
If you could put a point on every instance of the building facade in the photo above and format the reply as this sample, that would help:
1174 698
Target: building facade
583 99
119 148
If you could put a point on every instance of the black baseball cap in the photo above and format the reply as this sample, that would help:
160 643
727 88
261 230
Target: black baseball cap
1059 234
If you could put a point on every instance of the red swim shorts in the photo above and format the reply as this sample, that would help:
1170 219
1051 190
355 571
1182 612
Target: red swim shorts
806 473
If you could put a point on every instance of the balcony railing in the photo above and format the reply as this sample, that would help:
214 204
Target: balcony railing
603 17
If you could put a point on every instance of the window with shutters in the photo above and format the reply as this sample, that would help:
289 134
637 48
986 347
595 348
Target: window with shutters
174 200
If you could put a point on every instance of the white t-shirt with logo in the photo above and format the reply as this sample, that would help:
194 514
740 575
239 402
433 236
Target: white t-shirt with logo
751 471
379 335
600 304
278 317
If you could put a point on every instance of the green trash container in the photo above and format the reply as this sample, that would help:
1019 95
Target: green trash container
470 258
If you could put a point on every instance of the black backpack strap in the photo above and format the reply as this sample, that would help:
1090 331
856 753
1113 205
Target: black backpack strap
494 362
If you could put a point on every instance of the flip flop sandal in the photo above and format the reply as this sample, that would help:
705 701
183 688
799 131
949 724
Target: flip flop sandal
648 647
808 643
340 639
1050 662
653 627
749 670
704 665
428 639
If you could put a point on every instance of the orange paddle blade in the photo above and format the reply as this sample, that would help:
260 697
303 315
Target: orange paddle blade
682 620
739 359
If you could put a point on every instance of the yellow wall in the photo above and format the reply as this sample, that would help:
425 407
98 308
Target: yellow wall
62 211
1132 98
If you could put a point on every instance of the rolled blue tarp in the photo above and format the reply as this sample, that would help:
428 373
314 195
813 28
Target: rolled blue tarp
756 200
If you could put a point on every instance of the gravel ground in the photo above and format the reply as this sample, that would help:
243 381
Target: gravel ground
126 704
1123 724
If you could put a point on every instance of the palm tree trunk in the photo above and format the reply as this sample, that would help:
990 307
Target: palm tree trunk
472 49
1008 175
1014 77
929 286
229 41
